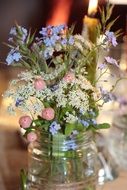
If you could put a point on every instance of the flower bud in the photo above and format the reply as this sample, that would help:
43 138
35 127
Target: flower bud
31 137
25 121
69 77
48 114
39 84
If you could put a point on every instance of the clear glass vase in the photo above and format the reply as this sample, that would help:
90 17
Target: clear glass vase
117 140
59 164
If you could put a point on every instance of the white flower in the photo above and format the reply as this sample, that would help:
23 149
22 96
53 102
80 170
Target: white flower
80 38
79 46
70 118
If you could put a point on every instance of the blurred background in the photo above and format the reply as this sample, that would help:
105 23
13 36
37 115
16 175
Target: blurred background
35 14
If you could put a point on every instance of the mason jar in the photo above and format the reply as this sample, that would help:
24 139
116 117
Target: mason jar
59 164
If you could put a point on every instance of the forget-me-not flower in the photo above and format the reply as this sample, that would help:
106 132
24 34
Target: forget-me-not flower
70 145
13 56
54 127
111 61
111 38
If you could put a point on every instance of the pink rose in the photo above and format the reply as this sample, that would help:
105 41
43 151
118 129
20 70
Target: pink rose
48 114
25 121
39 84
69 77
31 137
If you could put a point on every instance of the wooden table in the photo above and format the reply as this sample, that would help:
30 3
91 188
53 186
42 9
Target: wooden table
13 157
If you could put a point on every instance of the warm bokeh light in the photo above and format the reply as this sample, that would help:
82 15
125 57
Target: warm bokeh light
60 13
118 1
92 9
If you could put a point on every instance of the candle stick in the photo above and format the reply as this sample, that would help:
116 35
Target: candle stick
90 22
90 25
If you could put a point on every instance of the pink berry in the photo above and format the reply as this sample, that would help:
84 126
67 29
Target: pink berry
39 84
31 137
48 114
69 77
25 121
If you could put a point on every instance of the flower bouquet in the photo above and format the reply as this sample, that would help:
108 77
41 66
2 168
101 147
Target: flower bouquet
60 103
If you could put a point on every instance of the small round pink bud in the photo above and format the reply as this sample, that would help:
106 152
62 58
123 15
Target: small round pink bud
48 114
31 137
39 84
25 121
69 77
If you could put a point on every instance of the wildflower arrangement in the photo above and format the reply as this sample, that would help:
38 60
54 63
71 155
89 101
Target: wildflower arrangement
54 90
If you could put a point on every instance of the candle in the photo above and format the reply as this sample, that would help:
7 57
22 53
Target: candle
90 22
90 28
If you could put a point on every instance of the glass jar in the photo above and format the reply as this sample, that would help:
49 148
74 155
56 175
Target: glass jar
117 141
59 164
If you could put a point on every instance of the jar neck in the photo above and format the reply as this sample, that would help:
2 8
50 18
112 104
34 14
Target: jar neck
64 142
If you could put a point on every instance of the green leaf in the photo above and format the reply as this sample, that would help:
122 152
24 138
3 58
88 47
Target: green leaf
23 177
69 128
79 127
111 23
103 126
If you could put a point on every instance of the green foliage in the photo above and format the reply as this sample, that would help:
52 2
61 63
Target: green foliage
23 177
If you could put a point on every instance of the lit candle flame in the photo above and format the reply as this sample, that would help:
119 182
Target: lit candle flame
92 7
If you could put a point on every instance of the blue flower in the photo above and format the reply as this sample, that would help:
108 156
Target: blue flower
48 42
18 102
24 33
43 32
54 127
48 52
54 87
111 38
92 113
70 145
13 56
57 29
9 59
13 31
94 122
74 134
107 96
71 40
64 41
17 56
85 123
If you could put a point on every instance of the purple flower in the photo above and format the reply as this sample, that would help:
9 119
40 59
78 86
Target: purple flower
111 38
101 66
111 61
13 56
54 127
107 96
64 41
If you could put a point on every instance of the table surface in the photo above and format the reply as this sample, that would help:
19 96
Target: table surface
13 156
